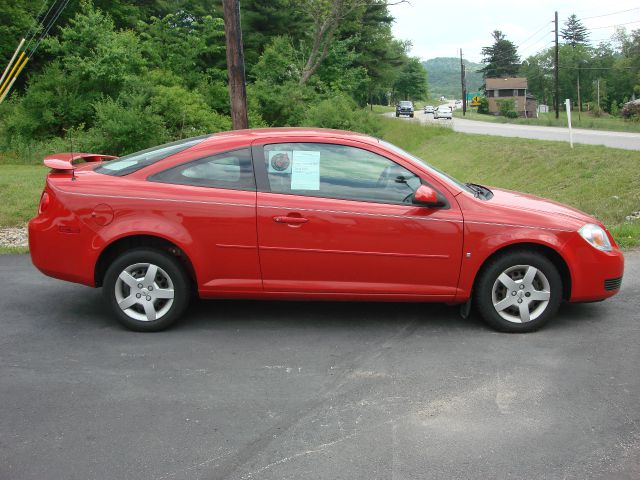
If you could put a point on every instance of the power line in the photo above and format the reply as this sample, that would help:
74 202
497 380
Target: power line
40 22
537 32
53 20
615 25
613 13
32 32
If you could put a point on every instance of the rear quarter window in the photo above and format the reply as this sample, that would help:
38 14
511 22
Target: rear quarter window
230 170
138 160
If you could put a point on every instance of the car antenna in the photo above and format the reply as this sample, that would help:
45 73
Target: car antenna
73 170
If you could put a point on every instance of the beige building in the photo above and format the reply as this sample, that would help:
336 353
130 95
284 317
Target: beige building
514 88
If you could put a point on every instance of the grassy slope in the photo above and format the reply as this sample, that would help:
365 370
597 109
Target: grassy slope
602 181
549 120
21 186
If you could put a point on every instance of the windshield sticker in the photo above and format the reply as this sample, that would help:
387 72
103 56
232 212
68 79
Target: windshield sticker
280 161
305 171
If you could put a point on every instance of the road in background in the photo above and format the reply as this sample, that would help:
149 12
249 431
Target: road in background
624 140
284 390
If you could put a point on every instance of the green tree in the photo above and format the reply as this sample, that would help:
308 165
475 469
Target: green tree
412 80
574 32
501 58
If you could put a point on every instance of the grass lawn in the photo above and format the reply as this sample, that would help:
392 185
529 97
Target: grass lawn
21 186
586 120
601 181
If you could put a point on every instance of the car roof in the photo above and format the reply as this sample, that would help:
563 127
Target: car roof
252 134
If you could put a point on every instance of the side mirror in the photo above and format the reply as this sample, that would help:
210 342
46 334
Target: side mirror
428 197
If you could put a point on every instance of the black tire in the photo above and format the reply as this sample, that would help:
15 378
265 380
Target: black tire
397 115
514 264
170 274
411 115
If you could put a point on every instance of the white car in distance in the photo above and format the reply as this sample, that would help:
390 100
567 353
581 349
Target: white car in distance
443 111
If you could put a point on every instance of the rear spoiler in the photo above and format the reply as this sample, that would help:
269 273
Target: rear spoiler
64 161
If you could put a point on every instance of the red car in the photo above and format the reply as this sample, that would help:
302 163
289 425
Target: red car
310 214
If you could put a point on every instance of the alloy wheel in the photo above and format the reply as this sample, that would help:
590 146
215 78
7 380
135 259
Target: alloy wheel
144 292
521 293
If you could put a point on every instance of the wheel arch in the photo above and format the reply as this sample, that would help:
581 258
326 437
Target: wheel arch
550 253
123 244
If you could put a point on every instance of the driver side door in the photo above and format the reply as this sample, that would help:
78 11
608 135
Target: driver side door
338 219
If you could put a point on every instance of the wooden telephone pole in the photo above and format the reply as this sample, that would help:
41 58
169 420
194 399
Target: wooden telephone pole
235 64
463 82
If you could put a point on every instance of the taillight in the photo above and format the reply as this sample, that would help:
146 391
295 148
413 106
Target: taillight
44 202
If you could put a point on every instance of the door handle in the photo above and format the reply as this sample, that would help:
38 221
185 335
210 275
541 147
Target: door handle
291 220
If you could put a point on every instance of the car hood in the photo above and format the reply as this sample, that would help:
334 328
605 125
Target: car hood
525 202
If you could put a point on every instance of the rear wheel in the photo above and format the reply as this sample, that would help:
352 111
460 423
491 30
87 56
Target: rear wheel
518 292
147 289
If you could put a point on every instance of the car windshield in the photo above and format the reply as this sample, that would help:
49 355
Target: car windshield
406 104
439 173
135 161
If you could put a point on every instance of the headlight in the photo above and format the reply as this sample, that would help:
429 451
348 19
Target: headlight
596 236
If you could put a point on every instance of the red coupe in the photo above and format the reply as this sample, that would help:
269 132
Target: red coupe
310 214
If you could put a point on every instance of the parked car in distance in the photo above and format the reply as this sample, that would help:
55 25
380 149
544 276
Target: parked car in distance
309 214
443 111
404 107
428 109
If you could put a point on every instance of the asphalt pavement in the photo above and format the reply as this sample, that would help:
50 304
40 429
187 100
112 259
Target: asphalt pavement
284 390
624 140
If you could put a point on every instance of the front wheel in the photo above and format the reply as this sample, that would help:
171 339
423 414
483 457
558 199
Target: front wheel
518 292
147 289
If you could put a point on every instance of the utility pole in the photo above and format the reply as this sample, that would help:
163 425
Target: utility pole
463 82
555 72
598 93
579 99
235 64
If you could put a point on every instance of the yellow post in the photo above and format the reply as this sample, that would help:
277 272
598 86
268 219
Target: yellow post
15 54
6 91
8 79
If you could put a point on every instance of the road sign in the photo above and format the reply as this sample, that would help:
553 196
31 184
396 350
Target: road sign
473 98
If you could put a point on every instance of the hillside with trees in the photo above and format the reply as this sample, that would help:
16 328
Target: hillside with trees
444 76
117 76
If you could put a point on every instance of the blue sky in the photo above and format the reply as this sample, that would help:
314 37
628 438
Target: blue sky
440 29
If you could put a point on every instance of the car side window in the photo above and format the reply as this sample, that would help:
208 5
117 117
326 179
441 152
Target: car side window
230 170
337 171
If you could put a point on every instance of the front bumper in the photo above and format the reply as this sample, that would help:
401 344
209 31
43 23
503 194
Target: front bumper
595 275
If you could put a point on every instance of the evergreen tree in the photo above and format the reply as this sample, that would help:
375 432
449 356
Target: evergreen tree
501 58
574 33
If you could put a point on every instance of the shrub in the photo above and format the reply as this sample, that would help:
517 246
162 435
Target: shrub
484 106
282 104
631 110
614 108
121 129
341 112
507 107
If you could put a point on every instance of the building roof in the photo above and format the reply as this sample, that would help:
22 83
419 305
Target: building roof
509 82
